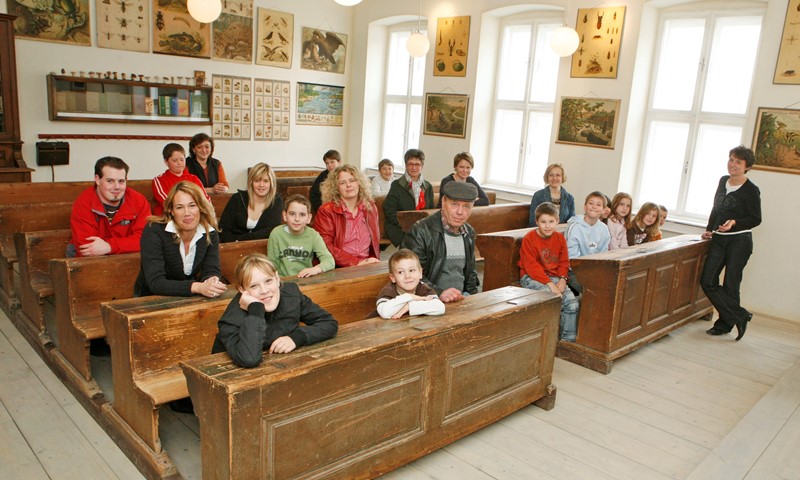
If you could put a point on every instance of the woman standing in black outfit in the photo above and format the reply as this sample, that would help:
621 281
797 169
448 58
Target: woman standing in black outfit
737 210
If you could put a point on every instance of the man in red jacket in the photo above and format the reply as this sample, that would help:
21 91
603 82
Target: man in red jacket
107 218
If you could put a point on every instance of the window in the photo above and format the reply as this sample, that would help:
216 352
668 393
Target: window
698 105
403 96
524 102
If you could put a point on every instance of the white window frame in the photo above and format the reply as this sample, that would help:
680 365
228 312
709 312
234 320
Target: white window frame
694 117
525 105
409 100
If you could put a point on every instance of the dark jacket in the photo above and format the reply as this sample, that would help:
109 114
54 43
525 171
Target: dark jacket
426 239
233 222
743 205
482 201
315 194
398 199
162 267
565 211
246 334
214 166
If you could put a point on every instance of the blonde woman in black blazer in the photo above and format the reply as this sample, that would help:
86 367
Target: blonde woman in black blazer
180 249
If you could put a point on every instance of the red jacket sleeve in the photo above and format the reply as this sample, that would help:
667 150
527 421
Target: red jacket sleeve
563 255
82 224
132 242
325 223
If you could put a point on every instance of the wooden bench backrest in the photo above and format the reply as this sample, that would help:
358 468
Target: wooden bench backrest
491 218
162 331
30 218
304 190
86 282
35 249
500 252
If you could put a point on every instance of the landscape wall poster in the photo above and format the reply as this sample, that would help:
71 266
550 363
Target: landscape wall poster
446 114
591 122
600 34
776 141
319 104
787 68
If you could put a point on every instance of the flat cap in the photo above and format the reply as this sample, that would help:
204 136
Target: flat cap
462 191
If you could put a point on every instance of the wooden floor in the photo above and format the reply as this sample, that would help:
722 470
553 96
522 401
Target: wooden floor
688 406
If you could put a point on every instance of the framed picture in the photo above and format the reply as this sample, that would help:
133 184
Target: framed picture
233 38
275 38
446 114
776 141
787 67
600 34
323 51
120 28
52 21
319 105
175 32
451 47
591 122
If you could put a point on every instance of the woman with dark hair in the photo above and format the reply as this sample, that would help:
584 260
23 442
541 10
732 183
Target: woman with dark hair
348 220
555 193
180 249
463 163
736 212
253 213
409 192
202 164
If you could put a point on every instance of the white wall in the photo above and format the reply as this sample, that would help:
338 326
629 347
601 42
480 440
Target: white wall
307 143
771 279
772 276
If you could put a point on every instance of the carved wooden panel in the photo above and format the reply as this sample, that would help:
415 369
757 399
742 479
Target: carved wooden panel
634 291
663 277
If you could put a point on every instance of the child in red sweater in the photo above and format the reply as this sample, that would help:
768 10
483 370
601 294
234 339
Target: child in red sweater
544 264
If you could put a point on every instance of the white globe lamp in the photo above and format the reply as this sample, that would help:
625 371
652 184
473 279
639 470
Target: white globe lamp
564 41
205 11
347 3
418 44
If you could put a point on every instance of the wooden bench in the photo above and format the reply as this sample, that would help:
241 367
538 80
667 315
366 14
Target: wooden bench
34 251
82 284
52 203
380 394
150 335
491 218
631 297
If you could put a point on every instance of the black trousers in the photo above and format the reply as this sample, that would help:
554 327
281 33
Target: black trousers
730 252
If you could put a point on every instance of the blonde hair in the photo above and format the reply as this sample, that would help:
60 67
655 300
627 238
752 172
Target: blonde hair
330 189
550 169
257 172
644 210
254 261
207 217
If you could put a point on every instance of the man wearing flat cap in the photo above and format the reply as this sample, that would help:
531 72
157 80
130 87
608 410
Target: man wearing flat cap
445 244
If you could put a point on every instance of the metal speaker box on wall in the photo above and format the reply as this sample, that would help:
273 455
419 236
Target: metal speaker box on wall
52 153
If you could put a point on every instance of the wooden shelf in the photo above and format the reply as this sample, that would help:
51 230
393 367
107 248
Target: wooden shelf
81 99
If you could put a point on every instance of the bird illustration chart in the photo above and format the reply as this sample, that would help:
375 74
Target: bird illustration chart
451 47
271 105
232 99
275 38
233 32
787 68
123 24
175 32
599 34
323 51
62 21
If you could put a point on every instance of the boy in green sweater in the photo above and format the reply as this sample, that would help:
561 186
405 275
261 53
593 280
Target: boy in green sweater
292 246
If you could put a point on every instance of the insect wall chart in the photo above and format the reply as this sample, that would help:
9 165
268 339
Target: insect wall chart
65 21
600 34
123 24
175 32
233 32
